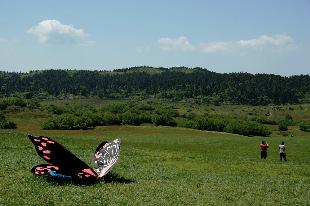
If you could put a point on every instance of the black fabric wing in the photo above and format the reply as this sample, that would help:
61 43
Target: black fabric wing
66 162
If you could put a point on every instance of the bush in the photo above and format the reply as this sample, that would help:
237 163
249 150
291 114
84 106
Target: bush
7 125
33 104
145 107
264 120
247 128
135 118
10 125
304 126
164 120
289 119
15 101
167 111
210 124
116 108
4 124
3 104
68 122
108 118
18 102
187 123
145 118
283 125
130 118
54 109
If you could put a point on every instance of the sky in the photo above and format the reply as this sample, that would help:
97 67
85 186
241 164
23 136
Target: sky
257 36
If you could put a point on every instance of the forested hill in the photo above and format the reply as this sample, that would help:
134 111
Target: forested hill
177 83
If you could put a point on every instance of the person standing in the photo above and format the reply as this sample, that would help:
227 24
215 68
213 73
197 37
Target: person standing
263 150
282 151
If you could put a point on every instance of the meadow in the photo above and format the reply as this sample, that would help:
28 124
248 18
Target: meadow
161 165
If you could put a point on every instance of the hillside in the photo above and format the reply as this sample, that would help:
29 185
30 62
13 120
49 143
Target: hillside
173 83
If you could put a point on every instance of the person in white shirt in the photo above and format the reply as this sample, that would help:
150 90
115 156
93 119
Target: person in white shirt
282 151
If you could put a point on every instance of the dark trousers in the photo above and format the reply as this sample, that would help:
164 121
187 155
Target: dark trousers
263 154
282 156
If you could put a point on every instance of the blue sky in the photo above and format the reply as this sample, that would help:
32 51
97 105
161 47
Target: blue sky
260 36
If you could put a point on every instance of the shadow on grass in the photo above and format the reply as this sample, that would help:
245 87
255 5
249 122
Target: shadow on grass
109 178
115 178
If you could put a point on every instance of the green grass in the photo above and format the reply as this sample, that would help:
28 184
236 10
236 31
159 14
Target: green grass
161 166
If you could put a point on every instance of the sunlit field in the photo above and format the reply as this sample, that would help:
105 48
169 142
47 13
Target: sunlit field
161 166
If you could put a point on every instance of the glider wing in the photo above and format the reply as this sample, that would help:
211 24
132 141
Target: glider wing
106 156
64 163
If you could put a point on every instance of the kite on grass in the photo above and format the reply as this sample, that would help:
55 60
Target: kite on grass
65 165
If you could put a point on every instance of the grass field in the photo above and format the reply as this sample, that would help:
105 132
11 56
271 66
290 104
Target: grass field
161 166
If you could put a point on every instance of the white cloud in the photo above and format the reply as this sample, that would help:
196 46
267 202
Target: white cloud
263 41
216 47
175 44
53 31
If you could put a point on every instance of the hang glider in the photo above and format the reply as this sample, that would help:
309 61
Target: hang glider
65 165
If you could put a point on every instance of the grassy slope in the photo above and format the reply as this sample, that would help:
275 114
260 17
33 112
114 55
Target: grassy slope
161 166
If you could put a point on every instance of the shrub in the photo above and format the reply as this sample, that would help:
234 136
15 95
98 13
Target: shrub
116 108
11 125
264 120
15 101
304 126
145 107
283 125
289 119
3 105
51 123
167 111
68 122
187 123
210 124
135 118
7 125
130 118
33 104
164 120
54 109
145 118
4 124
108 118
18 102
247 128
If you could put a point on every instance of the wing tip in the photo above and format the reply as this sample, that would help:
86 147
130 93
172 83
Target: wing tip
31 137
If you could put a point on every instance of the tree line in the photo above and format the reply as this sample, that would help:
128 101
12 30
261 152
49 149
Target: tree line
174 83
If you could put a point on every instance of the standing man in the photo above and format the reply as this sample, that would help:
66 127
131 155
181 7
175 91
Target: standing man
282 151
263 150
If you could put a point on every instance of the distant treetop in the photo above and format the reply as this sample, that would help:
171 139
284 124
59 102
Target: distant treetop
175 83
